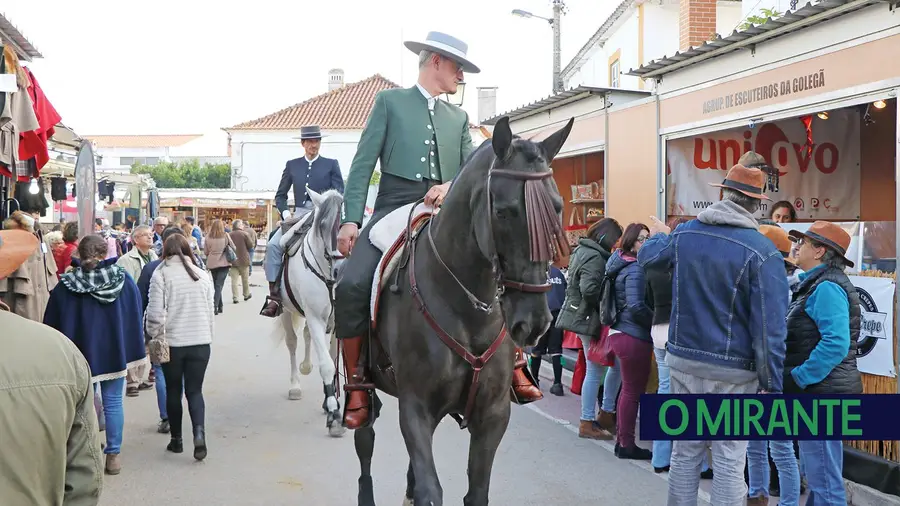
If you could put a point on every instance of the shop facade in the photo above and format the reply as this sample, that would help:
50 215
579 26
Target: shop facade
814 92
819 103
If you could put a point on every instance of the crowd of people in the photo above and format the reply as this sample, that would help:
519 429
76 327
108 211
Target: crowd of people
726 304
58 283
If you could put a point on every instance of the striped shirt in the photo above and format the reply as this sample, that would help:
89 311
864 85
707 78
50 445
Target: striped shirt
179 307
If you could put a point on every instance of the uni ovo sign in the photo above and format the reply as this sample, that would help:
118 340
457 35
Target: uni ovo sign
772 143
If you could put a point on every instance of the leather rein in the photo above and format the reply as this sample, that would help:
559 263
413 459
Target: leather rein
476 362
315 269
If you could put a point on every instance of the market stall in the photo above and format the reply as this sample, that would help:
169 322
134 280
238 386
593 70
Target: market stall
819 104
254 208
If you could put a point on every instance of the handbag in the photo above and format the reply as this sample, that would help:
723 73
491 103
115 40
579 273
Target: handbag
158 347
229 252
600 352
576 229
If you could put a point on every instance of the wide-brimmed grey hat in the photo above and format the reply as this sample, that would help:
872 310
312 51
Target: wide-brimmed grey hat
446 45
310 133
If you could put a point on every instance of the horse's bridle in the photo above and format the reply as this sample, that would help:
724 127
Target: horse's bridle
502 282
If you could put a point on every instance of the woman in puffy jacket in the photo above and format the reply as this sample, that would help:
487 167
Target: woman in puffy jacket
630 337
580 312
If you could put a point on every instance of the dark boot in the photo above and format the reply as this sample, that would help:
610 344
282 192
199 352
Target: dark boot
176 445
356 411
273 302
524 389
634 452
199 442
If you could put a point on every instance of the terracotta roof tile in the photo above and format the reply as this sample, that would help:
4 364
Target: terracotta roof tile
345 108
140 141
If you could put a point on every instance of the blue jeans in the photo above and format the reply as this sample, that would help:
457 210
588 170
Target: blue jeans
662 450
274 257
611 385
593 376
112 392
785 462
823 464
160 391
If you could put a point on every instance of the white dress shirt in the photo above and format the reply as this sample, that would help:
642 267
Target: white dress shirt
431 100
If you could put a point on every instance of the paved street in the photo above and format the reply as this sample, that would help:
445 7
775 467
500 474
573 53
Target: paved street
266 450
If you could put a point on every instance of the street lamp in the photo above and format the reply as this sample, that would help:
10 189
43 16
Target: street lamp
456 98
558 10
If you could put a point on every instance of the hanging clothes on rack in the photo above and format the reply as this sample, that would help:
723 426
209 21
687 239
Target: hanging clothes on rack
17 115
33 143
58 189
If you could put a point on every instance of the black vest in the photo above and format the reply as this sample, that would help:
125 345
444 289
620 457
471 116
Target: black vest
803 336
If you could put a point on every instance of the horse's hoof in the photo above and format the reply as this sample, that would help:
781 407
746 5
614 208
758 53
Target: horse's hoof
335 426
305 369
408 502
295 394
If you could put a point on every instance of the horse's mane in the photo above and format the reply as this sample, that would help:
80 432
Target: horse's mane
327 218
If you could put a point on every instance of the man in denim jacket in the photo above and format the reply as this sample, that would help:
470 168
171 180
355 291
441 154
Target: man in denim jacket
727 329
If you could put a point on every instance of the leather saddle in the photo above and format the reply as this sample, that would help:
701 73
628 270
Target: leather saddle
293 231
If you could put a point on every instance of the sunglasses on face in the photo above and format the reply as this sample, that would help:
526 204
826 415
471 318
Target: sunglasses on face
642 238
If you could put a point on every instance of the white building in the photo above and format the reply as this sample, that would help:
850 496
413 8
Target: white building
260 148
640 31
119 152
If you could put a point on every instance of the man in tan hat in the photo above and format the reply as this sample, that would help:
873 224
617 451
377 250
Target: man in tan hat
728 331
823 326
47 402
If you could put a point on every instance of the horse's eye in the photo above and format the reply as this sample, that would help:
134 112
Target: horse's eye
506 213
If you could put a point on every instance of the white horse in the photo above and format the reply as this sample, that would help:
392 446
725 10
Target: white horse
311 273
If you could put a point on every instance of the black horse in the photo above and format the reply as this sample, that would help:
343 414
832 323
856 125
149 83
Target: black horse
474 285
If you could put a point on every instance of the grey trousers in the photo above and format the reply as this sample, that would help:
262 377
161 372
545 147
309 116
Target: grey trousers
728 457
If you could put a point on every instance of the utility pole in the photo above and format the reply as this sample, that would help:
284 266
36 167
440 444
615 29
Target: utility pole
558 10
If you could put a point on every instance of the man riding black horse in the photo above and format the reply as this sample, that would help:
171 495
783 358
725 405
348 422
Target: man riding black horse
421 143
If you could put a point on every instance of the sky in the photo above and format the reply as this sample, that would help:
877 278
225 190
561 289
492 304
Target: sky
196 66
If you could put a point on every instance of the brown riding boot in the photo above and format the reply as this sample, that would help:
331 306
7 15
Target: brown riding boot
356 413
525 390
273 302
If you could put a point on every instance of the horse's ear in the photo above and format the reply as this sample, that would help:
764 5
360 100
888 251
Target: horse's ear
502 137
551 145
315 197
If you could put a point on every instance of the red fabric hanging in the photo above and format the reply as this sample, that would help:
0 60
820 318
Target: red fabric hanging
33 144
807 123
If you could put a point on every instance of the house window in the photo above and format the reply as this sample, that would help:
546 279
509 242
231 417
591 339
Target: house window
151 160
126 160
614 74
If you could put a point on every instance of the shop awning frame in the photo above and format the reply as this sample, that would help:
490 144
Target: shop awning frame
804 17
12 36
558 100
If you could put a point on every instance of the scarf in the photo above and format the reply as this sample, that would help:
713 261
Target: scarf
103 283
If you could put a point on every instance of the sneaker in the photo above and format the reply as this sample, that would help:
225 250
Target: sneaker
163 427
557 389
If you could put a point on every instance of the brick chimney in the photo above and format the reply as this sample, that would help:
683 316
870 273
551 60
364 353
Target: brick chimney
697 22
